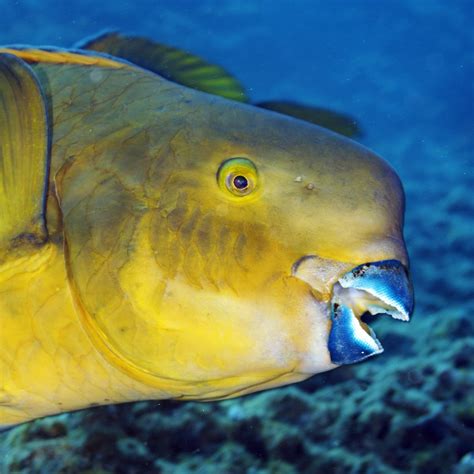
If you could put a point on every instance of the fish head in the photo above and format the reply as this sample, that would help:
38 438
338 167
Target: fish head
253 245
288 214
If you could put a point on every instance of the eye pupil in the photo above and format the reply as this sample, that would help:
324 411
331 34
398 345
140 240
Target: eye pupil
240 182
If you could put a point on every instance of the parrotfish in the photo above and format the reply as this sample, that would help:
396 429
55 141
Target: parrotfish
162 237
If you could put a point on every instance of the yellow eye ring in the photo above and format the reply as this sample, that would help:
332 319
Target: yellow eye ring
237 176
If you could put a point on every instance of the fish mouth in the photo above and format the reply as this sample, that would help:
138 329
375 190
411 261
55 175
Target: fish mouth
375 288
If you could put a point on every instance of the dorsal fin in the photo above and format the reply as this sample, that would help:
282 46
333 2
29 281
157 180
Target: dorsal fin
32 55
24 153
192 71
171 63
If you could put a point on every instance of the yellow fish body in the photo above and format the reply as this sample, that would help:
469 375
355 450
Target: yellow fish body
160 242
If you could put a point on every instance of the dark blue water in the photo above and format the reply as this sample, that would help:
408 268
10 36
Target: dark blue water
405 70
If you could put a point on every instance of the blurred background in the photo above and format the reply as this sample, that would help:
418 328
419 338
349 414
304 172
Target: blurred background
404 69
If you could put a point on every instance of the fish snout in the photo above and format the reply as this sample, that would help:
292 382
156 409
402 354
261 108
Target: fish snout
382 287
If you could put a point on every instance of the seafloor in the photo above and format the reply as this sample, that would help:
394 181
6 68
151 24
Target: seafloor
405 69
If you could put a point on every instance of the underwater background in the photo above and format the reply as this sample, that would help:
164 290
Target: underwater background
404 69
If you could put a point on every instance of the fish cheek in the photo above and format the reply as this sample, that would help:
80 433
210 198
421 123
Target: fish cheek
218 270
227 322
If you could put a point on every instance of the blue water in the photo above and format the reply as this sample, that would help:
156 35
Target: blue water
405 69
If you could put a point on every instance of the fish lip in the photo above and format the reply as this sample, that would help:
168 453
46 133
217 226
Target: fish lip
321 274
382 287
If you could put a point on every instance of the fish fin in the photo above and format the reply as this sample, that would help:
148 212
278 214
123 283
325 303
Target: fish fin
47 54
335 121
171 63
24 153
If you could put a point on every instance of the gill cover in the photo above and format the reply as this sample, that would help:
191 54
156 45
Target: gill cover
103 200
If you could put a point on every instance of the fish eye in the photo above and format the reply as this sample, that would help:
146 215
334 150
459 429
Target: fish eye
240 182
237 176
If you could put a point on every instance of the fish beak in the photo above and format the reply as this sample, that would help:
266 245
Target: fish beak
377 288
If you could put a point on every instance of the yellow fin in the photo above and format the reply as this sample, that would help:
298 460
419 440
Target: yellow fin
171 63
61 56
24 153
335 121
